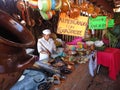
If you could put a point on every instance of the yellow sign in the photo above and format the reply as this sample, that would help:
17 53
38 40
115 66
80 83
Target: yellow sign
73 27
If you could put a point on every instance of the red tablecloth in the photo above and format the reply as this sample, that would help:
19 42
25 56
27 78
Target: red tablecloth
110 58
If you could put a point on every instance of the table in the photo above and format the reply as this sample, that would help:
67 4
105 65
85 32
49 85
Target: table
110 58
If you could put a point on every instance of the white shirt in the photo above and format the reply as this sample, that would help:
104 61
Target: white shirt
48 44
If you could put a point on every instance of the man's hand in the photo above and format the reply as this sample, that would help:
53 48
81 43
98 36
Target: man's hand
48 52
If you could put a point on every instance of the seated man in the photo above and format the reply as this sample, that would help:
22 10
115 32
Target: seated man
45 45
46 49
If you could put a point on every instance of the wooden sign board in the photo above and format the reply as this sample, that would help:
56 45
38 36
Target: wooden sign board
70 26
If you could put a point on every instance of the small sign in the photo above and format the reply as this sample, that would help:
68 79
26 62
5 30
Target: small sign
97 23
110 22
70 26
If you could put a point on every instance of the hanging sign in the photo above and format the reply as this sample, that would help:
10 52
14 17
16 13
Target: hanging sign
70 26
97 23
110 22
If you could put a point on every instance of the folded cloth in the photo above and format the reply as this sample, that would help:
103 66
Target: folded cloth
31 81
59 52
75 40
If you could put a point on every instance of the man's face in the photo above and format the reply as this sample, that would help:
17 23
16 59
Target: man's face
46 36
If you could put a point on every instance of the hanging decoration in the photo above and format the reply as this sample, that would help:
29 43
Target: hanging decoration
84 7
46 8
33 4
47 15
65 6
72 8
44 5
21 7
90 9
96 12
75 10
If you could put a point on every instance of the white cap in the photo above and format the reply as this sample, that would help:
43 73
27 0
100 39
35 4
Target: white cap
46 31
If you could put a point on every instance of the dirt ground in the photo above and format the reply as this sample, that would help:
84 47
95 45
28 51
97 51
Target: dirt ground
101 81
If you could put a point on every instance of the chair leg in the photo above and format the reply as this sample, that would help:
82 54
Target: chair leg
98 68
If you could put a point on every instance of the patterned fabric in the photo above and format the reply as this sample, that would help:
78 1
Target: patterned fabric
31 81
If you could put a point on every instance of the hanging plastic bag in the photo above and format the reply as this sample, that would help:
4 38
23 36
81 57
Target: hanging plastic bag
92 63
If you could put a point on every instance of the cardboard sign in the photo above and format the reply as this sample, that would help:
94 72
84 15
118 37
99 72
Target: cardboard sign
73 27
97 23
110 22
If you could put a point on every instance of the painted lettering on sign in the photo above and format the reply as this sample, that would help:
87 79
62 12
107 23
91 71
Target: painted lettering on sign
66 31
97 23
73 27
